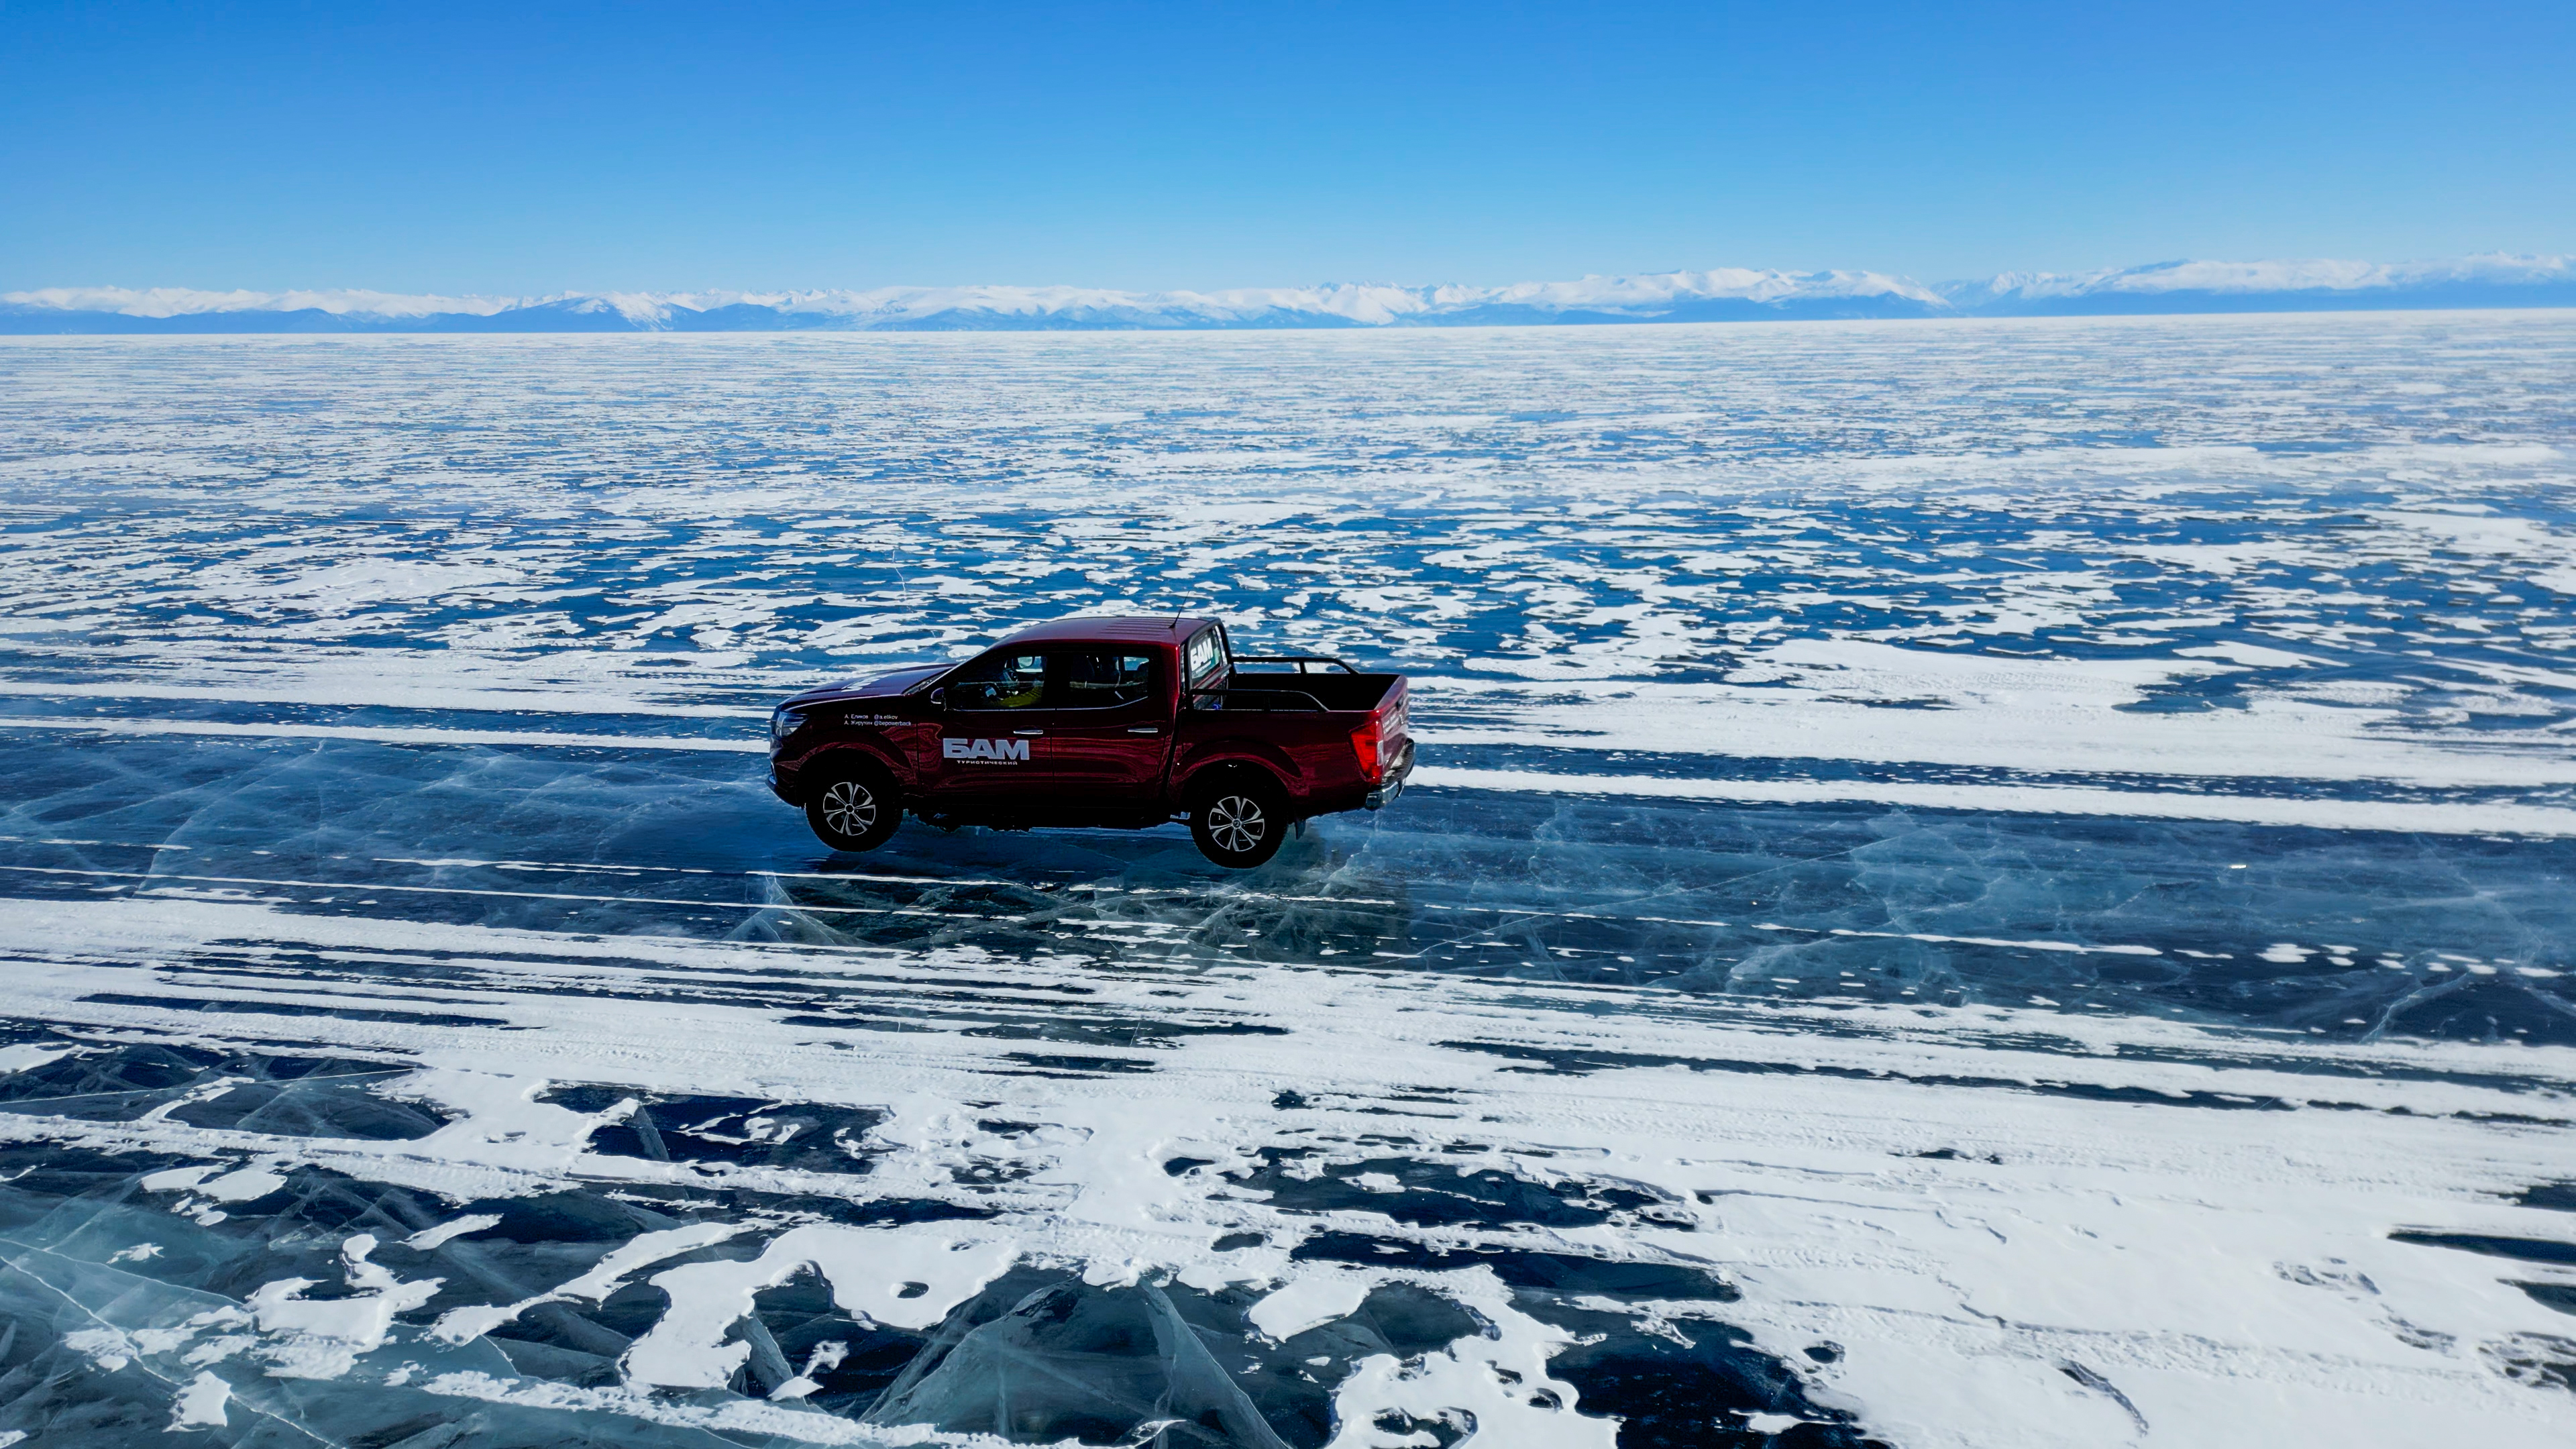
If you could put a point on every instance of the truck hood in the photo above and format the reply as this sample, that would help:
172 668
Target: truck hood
884 684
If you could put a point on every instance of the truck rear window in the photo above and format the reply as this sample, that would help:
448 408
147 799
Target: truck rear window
1203 659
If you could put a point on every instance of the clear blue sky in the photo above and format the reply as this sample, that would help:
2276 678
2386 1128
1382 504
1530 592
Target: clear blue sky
531 148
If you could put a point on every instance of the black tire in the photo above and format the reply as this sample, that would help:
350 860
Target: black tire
856 811
1239 821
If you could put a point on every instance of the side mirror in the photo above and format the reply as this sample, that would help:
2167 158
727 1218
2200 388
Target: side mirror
939 699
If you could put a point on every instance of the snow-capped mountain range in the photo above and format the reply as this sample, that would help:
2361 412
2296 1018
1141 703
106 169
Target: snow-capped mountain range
1726 294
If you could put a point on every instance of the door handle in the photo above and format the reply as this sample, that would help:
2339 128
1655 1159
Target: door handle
1028 732
1144 730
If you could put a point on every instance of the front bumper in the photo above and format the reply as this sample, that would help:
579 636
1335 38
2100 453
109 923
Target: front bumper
1387 791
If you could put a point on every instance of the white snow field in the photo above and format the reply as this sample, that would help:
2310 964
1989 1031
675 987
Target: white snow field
1971 884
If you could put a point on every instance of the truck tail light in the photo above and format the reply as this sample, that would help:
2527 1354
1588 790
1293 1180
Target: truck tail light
1364 743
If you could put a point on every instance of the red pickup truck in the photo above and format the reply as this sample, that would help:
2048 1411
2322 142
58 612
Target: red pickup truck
1127 722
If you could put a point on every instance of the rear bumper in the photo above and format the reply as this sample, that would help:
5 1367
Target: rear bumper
1387 791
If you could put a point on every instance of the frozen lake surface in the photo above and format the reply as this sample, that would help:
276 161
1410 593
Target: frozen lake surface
1973 884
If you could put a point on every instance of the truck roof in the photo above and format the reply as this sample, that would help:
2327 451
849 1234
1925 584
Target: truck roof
1136 628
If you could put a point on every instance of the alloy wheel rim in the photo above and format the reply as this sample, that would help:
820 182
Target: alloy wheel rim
1236 824
849 807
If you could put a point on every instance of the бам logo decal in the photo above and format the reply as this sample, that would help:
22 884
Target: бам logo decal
998 751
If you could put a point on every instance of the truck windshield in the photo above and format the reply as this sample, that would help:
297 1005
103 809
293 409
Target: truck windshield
1203 660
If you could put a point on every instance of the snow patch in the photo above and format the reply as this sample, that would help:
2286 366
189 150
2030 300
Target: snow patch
902 1277
1310 1302
428 1238
1497 1389
322 1338
463 1325
27 1056
201 1403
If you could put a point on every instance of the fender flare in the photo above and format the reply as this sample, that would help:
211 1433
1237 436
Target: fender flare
833 758
1271 761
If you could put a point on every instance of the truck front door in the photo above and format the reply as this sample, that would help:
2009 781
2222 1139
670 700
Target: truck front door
992 730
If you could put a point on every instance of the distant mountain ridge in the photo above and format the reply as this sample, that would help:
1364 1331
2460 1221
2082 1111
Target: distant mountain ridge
1728 294
2313 286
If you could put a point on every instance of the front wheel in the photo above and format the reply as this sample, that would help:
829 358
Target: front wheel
1239 824
854 813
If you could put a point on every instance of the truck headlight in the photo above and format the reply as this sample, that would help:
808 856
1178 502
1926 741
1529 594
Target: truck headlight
782 723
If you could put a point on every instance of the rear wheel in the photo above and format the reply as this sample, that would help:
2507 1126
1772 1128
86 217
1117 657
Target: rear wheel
855 812
1239 822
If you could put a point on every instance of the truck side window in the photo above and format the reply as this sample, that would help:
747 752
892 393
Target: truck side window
1101 678
1000 681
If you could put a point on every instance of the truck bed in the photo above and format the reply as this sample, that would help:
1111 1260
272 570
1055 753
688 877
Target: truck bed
1273 689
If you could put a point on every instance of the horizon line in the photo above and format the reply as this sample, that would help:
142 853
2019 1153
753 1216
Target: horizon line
2483 281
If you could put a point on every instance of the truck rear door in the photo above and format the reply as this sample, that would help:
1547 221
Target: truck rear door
1108 728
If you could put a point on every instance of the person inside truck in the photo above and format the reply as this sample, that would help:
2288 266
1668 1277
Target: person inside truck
1002 681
